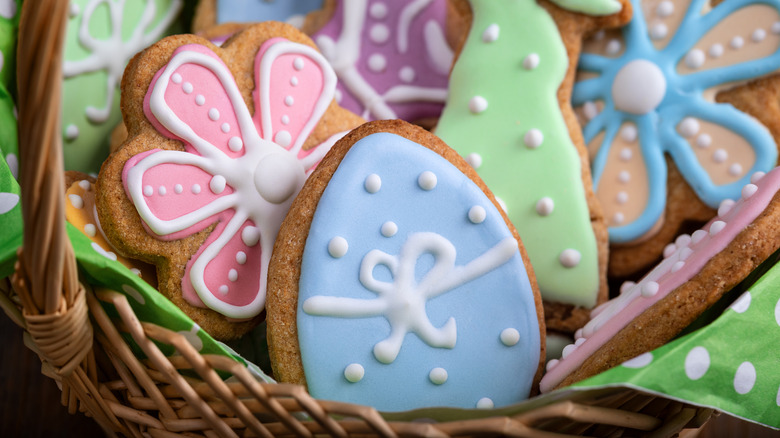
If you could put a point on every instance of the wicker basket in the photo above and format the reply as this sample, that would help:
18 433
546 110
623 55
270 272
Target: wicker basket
84 351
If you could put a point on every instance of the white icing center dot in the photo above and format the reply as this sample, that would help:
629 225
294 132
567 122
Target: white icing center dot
389 229
533 138
200 100
377 63
716 50
478 104
148 190
250 236
298 64
737 42
510 337
379 33
178 189
162 190
187 88
71 132
531 61
474 159
491 33
485 403
373 183
427 180
278 177
217 184
590 109
545 206
477 214
639 87
659 31
195 188
438 376
570 258
689 127
235 144
354 372
406 74
665 9
214 114
338 247
241 257
90 230
378 11
695 59
233 275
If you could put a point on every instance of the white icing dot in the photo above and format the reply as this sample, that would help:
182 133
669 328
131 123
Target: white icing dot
737 42
624 176
745 378
697 362
716 50
510 337
85 185
232 275
743 303
162 190
618 218
225 128
283 138
683 240
665 9
379 33
217 184
591 110
698 236
76 201
427 180
389 229
195 188
178 189
438 376
756 177
491 33
378 11
90 230
176 78
613 47
214 114
649 289
720 155
758 35
735 169
235 144
377 63
285 119
622 197
685 253
298 64
373 183
477 214
749 190
695 59
75 10
294 81
187 87
567 350
241 257
71 132
200 100
669 250
553 362
640 361
689 127
354 372
703 140
717 227
338 247
485 403
677 266
725 207
776 27
224 289
289 100
533 138
478 104
406 74
474 159
545 206
570 258
531 61
629 133
659 31
250 236
148 190
626 154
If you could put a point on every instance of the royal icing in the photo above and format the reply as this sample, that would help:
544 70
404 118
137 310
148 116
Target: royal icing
391 57
238 171
503 115
683 260
102 36
243 11
649 93
418 318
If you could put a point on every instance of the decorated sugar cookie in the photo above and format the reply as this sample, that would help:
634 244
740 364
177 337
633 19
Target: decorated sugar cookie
696 271
402 284
220 142
666 146
508 115
392 57
101 38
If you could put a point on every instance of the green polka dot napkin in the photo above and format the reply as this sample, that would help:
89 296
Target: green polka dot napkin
9 26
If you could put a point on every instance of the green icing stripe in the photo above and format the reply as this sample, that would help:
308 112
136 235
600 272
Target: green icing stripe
520 99
591 7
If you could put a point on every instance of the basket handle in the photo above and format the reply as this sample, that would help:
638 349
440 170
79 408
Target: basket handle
46 277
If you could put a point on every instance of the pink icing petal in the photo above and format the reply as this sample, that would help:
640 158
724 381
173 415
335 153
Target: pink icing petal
202 104
234 276
295 87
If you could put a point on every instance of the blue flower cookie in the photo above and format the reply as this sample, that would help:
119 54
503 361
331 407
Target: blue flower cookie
397 281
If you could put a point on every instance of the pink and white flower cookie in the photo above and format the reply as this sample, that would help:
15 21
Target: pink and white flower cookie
220 142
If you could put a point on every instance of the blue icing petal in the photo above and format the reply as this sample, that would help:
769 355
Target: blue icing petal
244 11
476 299
683 96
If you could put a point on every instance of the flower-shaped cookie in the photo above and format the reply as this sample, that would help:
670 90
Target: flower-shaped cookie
652 96
236 174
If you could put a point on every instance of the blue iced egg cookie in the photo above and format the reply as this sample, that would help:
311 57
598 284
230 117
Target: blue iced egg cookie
397 282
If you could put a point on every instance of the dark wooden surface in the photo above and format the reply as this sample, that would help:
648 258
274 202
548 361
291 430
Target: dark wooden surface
30 402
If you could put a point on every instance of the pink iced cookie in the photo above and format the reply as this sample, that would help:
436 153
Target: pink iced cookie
218 160
697 270
392 57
